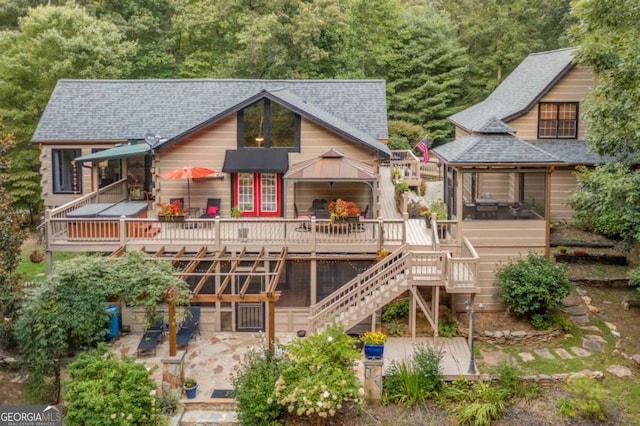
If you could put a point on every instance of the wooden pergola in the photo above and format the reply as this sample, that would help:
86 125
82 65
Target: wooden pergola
253 265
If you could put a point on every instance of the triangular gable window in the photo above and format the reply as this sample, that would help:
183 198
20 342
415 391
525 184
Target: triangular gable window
267 124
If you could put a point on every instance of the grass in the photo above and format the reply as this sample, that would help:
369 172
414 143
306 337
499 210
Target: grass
36 271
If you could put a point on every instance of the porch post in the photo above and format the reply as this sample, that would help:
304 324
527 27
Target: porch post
172 330
48 254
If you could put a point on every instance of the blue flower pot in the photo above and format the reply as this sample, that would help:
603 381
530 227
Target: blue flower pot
191 392
373 351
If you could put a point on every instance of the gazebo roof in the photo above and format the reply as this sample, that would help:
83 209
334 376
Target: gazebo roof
332 165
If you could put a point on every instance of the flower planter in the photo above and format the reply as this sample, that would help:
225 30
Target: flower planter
174 218
191 392
373 351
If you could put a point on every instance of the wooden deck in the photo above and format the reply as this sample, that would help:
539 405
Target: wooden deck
455 351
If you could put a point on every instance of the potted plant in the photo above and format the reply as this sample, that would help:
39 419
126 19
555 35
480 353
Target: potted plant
190 387
373 344
236 212
440 209
170 211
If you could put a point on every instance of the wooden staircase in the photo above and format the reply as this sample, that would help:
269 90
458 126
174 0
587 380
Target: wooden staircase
401 271
365 294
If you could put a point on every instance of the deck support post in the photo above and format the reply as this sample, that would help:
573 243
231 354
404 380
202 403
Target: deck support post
172 330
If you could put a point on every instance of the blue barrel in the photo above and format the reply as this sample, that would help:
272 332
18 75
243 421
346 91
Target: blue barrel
113 325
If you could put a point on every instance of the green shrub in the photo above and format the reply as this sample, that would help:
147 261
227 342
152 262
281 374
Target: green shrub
634 278
253 385
487 404
395 310
410 382
320 375
586 400
170 403
509 378
395 328
456 391
109 390
532 285
447 327
551 320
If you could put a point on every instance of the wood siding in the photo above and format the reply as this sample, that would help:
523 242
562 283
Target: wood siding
573 87
496 242
89 176
563 181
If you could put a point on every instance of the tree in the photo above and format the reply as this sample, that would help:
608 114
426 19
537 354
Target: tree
426 79
608 34
498 34
67 313
404 135
605 201
52 42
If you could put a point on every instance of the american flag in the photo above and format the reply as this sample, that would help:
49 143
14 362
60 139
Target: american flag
423 146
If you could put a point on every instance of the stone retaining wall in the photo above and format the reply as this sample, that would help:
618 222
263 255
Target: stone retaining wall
507 337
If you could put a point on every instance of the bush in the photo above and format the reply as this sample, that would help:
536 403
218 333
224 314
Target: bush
634 278
319 375
509 378
532 285
487 404
395 328
410 382
395 310
586 400
253 385
551 320
447 327
106 389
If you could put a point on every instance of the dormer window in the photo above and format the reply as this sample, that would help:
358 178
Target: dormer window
558 120
267 124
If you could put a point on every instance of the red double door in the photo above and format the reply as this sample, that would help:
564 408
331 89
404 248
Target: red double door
258 194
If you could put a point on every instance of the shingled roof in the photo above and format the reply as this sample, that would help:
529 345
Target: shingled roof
520 91
120 110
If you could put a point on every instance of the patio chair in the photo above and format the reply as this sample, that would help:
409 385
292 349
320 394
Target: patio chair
520 210
213 208
317 204
189 325
323 214
151 337
304 226
364 212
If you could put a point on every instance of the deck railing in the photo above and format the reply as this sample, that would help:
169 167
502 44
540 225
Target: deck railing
354 294
113 193
314 235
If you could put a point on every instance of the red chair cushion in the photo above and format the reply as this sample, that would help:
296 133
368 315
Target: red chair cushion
212 210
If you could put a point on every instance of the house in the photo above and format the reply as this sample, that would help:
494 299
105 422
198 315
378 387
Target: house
511 166
280 151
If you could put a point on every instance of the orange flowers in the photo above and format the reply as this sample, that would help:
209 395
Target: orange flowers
343 209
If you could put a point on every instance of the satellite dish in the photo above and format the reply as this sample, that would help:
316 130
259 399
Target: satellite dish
151 139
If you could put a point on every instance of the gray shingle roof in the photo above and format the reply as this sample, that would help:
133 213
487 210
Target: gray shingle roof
496 126
81 110
526 84
572 151
492 148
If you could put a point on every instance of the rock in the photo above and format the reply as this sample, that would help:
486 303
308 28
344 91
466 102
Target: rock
519 333
579 319
498 334
615 333
619 370
610 325
595 338
636 358
526 356
487 333
593 309
581 292
591 344
571 300
575 310
544 353
563 353
580 351
590 328
506 333
587 300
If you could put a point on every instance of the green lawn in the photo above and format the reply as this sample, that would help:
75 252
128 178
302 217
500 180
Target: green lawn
36 271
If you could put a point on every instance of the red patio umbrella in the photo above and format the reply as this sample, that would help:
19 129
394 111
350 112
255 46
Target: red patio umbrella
187 172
